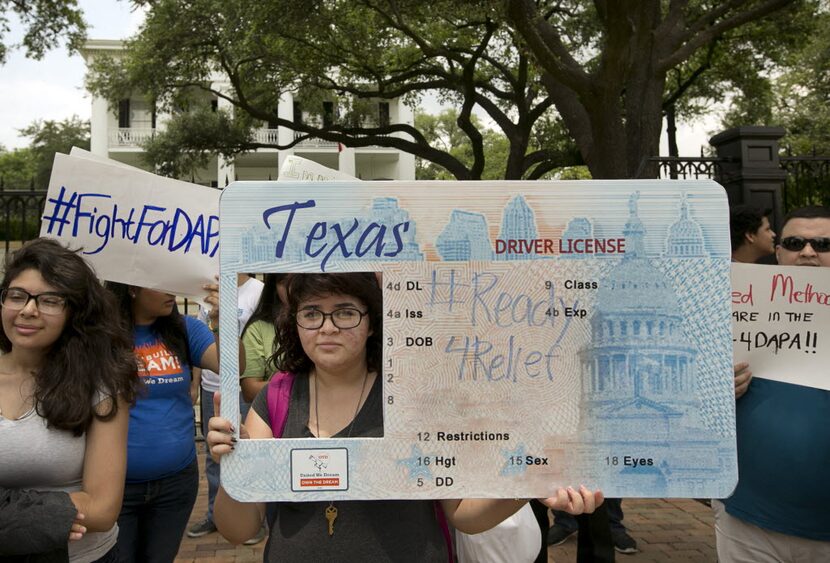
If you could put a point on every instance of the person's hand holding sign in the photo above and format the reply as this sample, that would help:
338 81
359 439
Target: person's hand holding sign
582 501
220 440
742 378
212 299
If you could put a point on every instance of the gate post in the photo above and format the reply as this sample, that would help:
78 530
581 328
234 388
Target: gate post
751 172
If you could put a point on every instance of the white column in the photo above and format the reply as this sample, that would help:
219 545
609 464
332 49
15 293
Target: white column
224 168
346 161
406 161
99 127
406 166
285 110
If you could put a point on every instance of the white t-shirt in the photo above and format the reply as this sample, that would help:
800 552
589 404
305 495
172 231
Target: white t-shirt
516 540
247 299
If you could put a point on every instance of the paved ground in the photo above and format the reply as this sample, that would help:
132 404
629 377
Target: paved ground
674 530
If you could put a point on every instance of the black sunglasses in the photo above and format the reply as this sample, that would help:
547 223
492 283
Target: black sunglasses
795 244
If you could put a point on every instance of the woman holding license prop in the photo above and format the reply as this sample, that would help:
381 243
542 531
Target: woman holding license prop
162 473
330 336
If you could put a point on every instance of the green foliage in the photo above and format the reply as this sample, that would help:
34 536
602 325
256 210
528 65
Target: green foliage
192 137
353 54
50 137
740 66
613 67
46 24
802 104
443 131
17 168
572 173
19 227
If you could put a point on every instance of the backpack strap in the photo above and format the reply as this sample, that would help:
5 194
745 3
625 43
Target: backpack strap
441 517
278 397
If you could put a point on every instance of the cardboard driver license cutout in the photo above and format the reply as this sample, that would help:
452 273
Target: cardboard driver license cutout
536 335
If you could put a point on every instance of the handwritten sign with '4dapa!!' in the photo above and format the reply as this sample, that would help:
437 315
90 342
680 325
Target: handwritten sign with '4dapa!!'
780 319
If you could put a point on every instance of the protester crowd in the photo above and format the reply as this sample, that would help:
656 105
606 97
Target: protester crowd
97 453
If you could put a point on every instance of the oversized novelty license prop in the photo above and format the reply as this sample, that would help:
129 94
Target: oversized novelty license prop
133 226
780 319
536 335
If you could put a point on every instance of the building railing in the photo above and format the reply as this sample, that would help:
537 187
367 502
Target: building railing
320 143
266 135
313 142
130 136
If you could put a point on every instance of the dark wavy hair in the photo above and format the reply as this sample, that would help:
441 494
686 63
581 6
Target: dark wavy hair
269 306
170 329
745 219
290 355
94 352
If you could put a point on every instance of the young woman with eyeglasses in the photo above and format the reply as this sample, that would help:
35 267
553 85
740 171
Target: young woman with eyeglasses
330 337
67 378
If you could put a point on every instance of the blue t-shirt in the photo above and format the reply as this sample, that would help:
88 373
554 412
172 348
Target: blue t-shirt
160 441
783 459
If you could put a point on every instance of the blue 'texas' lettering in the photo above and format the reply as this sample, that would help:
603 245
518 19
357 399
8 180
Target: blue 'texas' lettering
337 240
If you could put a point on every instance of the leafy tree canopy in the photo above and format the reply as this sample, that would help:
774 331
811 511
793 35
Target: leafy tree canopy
17 168
741 67
442 131
603 66
606 65
802 94
46 23
50 137
352 54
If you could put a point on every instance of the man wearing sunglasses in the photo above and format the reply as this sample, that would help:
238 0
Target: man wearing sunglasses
780 510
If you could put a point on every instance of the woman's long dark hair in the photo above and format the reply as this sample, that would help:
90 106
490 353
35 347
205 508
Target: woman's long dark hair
170 329
290 355
94 352
269 306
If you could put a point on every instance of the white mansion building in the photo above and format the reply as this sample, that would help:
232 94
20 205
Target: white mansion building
117 133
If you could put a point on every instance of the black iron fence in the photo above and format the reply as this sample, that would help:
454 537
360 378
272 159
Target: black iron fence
807 180
684 167
20 212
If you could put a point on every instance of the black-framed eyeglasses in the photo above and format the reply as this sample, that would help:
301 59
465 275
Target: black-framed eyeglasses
343 318
48 303
795 244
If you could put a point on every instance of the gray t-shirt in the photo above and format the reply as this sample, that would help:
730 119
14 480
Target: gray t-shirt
383 530
33 456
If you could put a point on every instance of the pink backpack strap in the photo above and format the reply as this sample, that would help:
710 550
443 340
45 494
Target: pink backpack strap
278 397
445 529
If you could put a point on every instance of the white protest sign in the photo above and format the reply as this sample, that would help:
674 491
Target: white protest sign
133 226
81 153
299 168
780 316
